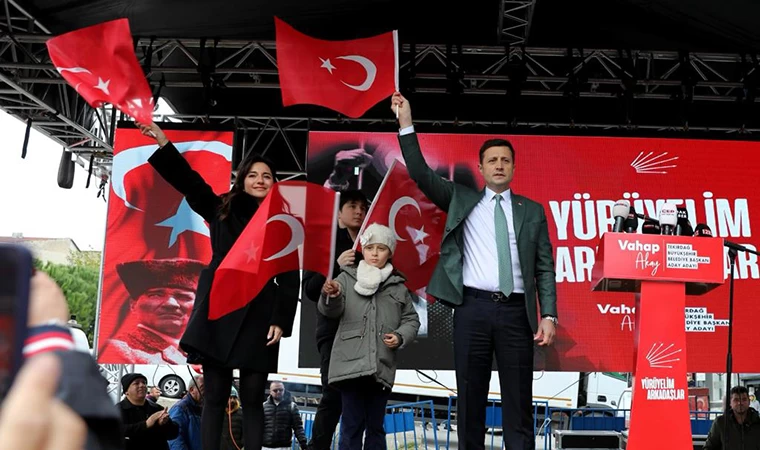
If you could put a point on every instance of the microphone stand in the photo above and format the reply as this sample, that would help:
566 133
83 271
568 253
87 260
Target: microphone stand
733 251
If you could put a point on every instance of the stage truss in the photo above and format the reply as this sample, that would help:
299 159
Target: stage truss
33 91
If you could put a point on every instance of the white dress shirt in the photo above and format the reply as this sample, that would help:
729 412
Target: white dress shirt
481 261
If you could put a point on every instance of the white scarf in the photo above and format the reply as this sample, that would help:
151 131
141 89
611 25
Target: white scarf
369 278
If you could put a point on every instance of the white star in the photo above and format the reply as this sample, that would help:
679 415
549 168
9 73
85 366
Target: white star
185 219
252 251
417 235
327 65
103 85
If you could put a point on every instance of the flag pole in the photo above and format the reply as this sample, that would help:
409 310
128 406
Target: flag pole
333 235
372 206
395 53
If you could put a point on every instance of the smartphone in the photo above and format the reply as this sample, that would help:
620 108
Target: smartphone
15 282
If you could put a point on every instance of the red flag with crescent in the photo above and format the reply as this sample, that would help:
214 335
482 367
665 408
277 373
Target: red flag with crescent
294 228
416 222
99 62
346 76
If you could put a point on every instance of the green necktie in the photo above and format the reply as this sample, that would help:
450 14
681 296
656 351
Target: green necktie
506 283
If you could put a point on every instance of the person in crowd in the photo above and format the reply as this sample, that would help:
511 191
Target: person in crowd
496 258
232 429
743 425
753 403
353 207
377 318
187 415
282 419
148 425
51 379
154 393
162 294
248 338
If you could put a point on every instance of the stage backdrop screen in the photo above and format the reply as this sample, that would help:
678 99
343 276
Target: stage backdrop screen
155 247
577 180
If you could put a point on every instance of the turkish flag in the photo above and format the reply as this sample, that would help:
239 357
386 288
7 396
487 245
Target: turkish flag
347 76
100 63
417 223
294 228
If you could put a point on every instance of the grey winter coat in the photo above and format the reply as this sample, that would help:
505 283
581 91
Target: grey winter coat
358 349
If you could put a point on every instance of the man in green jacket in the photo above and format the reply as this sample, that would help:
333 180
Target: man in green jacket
496 259
743 425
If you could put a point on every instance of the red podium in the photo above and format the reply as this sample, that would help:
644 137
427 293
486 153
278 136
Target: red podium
662 271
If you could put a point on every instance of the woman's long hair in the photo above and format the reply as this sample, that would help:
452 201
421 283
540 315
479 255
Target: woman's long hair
238 187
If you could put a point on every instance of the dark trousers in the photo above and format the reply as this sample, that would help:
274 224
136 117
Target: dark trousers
364 401
330 406
483 328
217 388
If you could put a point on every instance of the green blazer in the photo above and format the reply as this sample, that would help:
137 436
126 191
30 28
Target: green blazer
533 245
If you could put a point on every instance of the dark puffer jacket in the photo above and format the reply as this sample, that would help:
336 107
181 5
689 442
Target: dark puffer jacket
280 421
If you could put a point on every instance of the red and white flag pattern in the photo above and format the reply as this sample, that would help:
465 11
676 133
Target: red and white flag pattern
100 63
417 223
346 76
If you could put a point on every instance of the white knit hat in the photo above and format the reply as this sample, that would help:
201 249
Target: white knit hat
378 234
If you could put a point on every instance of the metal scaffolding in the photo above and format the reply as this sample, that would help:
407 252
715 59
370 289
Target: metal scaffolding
33 91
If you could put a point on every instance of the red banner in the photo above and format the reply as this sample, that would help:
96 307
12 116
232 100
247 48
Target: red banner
155 247
578 180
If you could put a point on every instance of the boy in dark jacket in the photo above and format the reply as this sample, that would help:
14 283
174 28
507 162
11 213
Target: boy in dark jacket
377 317
148 426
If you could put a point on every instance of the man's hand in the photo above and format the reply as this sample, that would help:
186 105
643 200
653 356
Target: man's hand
153 131
391 340
331 288
33 418
400 104
154 418
274 336
163 419
46 302
546 333
347 258
357 157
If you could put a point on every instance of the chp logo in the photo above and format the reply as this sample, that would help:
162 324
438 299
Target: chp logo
657 164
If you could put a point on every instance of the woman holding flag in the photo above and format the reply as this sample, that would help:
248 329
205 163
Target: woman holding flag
247 338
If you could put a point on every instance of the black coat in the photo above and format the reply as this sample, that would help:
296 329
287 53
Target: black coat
237 340
138 435
280 422
312 289
233 440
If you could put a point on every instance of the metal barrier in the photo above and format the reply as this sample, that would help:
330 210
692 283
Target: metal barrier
608 419
494 421
400 421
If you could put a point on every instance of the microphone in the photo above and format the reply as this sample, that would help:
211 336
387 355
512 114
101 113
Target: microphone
631 224
668 217
620 212
650 227
702 230
683 226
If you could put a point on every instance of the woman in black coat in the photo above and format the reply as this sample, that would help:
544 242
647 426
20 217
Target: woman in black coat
248 338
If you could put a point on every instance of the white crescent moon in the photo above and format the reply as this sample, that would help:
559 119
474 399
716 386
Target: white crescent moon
369 67
72 70
132 158
397 205
296 237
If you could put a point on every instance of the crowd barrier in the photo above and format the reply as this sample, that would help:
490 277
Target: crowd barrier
405 423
